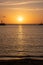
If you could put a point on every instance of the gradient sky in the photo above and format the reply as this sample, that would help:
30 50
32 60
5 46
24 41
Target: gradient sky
30 10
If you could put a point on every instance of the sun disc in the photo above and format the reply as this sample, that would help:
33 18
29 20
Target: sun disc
20 19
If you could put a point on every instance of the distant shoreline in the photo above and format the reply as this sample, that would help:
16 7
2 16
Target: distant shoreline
21 24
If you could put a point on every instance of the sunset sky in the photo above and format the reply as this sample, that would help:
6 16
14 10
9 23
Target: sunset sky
21 11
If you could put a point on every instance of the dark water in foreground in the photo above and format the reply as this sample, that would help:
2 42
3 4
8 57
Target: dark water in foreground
21 40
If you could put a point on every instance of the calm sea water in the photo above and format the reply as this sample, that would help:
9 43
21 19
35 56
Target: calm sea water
21 40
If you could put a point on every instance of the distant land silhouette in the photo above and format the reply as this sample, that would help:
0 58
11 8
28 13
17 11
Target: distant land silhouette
2 23
41 23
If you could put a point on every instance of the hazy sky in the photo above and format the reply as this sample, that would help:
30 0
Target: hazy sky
30 10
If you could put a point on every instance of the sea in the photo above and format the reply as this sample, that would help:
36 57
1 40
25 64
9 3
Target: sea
21 40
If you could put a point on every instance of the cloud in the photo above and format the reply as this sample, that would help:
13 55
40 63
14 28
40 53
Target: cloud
36 9
29 9
20 3
27 5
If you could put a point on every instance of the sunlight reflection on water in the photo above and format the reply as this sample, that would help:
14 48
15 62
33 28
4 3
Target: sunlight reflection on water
21 40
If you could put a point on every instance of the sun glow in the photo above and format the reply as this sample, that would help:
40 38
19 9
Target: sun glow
20 19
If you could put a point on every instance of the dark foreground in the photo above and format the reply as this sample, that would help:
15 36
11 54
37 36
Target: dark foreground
21 62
